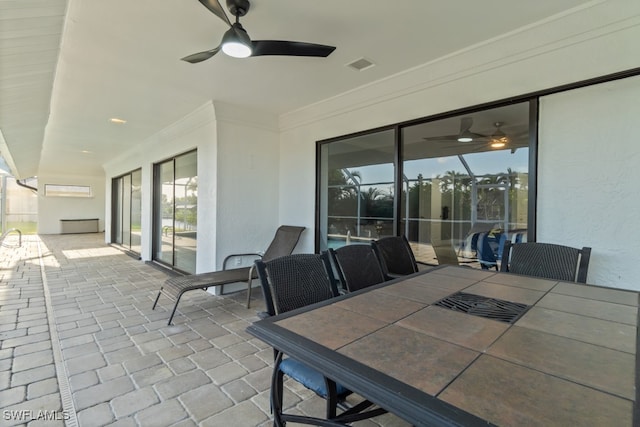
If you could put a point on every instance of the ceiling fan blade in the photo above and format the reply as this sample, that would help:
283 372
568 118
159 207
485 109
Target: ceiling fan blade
201 56
215 7
465 124
441 138
289 48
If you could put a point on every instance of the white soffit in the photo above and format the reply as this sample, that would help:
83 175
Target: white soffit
121 58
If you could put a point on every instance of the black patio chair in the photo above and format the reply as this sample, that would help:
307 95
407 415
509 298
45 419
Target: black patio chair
395 255
288 283
357 266
547 260
283 243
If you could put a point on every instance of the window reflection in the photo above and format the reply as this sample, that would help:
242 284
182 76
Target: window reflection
456 190
462 178
357 189
175 212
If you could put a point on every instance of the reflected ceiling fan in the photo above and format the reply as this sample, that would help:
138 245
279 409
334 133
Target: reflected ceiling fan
237 43
465 134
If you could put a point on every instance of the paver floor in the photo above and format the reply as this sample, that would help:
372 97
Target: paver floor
80 345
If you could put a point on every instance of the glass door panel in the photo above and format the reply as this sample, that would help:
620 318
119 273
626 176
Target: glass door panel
126 211
186 207
175 212
165 214
356 189
126 217
116 226
136 211
457 189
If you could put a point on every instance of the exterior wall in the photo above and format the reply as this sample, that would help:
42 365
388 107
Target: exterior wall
52 209
588 177
597 40
247 171
237 179
194 131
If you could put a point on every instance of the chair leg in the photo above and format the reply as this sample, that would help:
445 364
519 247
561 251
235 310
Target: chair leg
249 293
175 307
332 398
249 283
156 301
277 385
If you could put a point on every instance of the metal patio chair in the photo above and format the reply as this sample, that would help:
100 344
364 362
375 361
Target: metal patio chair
357 266
547 260
395 255
283 243
292 282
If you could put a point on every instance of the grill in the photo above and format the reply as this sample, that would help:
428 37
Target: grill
490 308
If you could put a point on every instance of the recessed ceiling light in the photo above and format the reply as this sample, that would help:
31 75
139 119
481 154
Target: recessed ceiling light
85 151
117 121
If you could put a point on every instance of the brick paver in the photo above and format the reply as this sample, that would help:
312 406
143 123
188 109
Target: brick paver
119 361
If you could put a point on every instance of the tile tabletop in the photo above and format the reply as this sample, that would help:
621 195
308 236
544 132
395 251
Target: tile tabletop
570 359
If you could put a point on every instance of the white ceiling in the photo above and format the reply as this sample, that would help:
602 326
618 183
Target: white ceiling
67 67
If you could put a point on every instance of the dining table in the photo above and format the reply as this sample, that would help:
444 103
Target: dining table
455 345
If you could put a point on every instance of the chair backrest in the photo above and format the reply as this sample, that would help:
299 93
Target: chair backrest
283 242
445 253
357 266
294 281
546 260
395 256
487 248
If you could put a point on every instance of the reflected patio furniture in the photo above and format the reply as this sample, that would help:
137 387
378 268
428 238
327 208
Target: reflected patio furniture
289 283
395 255
445 253
357 266
283 243
550 261
489 246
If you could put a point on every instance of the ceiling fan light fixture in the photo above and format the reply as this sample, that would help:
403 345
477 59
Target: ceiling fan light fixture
465 136
236 42
498 139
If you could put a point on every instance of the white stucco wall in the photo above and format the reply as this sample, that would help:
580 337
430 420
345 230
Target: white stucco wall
591 42
247 171
237 179
194 131
52 209
589 154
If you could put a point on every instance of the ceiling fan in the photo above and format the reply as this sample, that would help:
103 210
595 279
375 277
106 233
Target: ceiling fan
237 43
465 134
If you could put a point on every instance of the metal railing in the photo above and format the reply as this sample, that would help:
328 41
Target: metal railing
13 230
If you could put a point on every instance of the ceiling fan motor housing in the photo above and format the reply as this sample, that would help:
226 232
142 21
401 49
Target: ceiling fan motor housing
238 7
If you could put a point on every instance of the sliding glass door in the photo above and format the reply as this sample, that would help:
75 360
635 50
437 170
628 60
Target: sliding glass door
356 189
126 211
465 178
450 179
175 212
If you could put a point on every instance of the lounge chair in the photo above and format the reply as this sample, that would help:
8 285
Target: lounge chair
283 243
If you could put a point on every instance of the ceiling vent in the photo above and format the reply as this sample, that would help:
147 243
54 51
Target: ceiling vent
361 64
